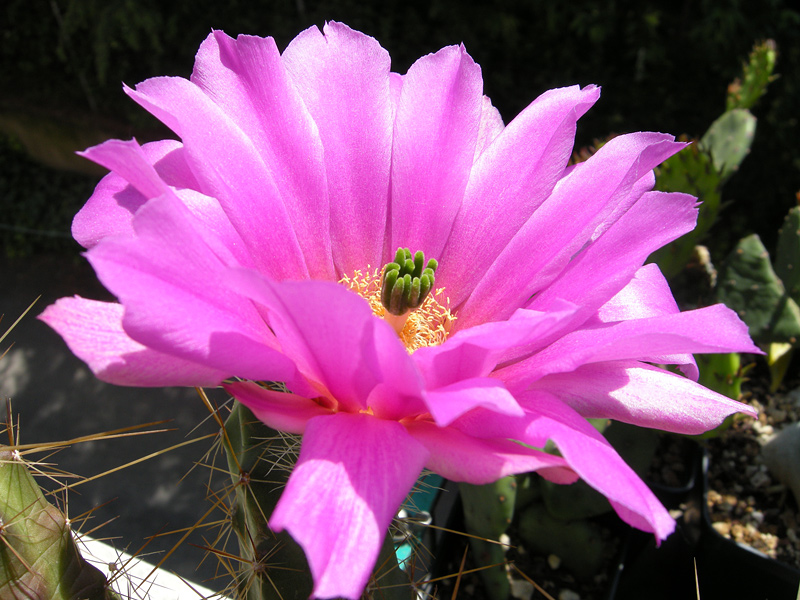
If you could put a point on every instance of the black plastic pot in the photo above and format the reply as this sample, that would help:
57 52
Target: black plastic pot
724 569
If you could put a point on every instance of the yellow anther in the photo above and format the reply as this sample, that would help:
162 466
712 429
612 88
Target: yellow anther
428 325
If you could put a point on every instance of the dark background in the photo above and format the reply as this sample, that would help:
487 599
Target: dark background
663 65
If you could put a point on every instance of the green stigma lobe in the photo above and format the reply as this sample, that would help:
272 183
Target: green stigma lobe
407 281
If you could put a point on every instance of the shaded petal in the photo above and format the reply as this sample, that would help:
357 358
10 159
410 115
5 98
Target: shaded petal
642 395
460 457
246 78
93 331
435 134
512 178
450 402
116 199
597 463
603 268
228 167
602 187
170 280
343 80
283 411
352 475
335 340
646 295
713 329
476 351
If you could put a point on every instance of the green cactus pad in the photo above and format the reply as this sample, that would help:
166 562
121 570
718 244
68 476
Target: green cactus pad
748 284
581 545
38 556
728 140
787 254
488 511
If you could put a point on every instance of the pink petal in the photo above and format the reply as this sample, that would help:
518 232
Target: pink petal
336 341
597 463
228 167
248 81
583 448
647 294
491 126
601 188
510 180
603 268
343 79
637 393
170 280
476 351
283 411
352 475
448 403
712 329
93 331
460 457
435 134
116 199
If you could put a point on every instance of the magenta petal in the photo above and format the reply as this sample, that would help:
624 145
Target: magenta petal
476 351
119 194
170 280
343 80
589 198
516 172
637 393
603 268
597 463
641 339
248 80
228 167
93 331
352 475
491 126
450 402
460 457
335 340
647 294
435 133
283 411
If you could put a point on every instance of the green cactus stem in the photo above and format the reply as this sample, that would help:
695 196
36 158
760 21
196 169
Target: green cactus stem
260 461
757 74
488 511
38 555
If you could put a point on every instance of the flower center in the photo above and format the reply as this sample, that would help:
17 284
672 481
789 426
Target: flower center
426 319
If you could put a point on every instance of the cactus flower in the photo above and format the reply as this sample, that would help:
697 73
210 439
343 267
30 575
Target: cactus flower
288 235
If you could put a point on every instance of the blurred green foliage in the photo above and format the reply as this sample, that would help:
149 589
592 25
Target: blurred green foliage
662 64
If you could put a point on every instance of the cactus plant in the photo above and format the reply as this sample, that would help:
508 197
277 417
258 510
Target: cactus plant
704 168
38 555
757 73
767 298
273 565
488 511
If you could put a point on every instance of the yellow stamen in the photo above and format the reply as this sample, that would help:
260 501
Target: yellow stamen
428 325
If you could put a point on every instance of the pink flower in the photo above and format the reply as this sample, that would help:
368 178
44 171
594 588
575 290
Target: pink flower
297 176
